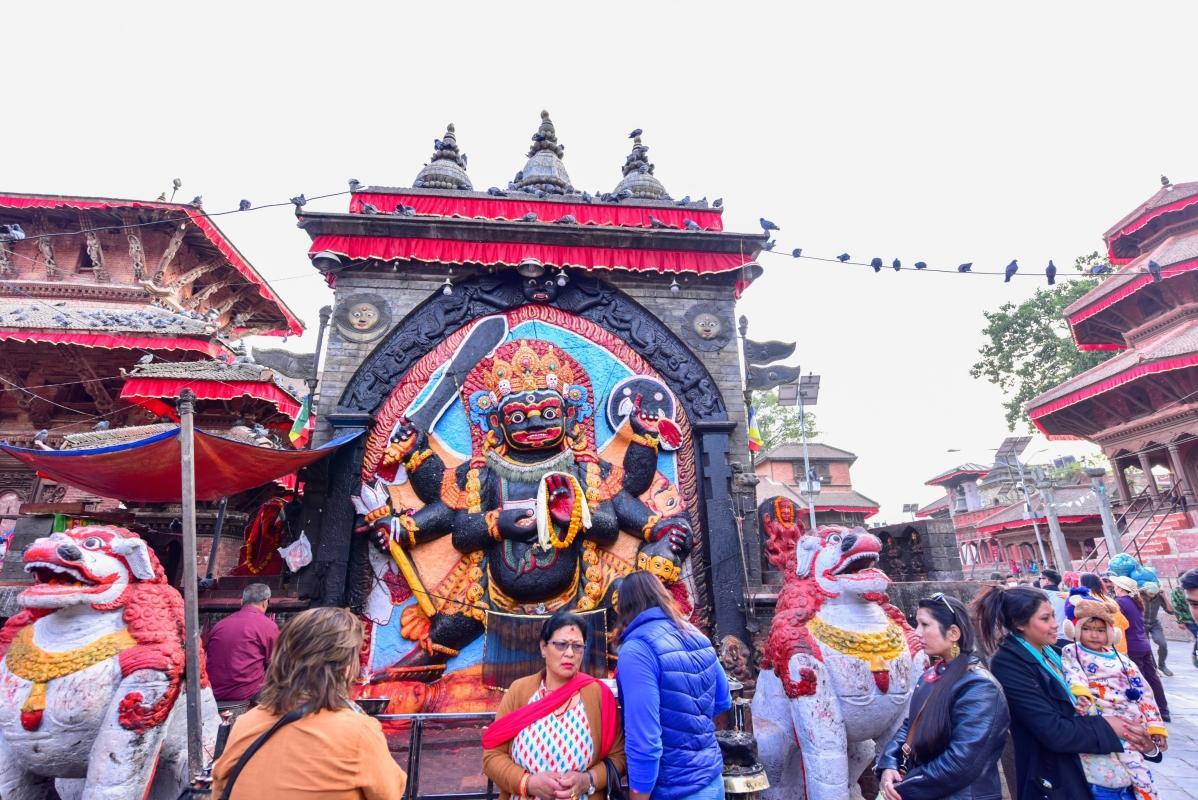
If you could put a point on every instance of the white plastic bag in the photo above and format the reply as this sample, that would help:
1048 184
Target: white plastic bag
298 554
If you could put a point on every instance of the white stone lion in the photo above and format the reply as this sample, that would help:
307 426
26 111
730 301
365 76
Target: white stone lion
843 662
91 682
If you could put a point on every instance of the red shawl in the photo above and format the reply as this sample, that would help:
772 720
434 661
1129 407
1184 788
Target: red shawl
505 728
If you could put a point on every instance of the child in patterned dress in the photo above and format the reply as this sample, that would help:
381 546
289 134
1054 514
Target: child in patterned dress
1107 683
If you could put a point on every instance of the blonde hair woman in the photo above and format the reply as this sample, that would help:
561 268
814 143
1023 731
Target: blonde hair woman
332 750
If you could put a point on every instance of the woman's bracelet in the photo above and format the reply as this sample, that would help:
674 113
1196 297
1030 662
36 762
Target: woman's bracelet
522 789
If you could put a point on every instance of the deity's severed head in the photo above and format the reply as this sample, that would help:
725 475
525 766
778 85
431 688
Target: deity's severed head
530 396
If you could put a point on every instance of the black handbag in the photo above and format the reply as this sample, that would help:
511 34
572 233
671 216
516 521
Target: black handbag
615 789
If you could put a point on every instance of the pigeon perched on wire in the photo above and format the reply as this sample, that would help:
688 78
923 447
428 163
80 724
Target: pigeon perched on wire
654 222
921 265
1051 273
843 257
1100 269
876 263
495 191
798 251
1154 269
691 225
1010 271
146 359
635 133
102 425
768 226
966 267
769 245
896 265
567 219
531 216
299 201
244 205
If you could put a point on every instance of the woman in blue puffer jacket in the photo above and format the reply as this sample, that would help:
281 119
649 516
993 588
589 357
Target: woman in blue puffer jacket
672 687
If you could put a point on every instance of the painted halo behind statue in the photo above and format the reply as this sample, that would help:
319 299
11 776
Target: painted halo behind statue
526 464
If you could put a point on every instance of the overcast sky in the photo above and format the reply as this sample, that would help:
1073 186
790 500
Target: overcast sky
924 131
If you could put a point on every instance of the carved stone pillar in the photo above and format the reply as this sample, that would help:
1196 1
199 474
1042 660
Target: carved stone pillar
1146 468
1179 472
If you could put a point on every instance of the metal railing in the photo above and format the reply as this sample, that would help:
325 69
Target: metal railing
1143 511
416 741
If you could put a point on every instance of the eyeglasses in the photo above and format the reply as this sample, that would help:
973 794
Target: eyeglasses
562 647
939 596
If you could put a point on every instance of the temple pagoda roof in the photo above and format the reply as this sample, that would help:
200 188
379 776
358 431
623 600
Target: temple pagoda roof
274 318
934 507
1165 208
212 380
1073 505
961 471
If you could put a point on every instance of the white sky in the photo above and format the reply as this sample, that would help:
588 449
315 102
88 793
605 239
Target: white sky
928 131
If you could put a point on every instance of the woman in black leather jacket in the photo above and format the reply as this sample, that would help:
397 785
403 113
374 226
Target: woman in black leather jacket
948 747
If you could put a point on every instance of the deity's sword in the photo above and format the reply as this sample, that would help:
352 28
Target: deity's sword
482 339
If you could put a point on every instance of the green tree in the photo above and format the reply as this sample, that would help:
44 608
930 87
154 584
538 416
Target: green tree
779 424
1029 348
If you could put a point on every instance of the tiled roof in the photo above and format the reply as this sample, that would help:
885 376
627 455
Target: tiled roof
962 469
768 488
939 504
61 315
1178 341
1163 197
240 369
816 450
1068 501
1176 249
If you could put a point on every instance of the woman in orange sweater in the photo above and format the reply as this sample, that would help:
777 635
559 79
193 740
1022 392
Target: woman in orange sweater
556 733
334 751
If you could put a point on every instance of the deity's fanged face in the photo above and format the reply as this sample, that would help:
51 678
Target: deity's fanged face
540 290
535 420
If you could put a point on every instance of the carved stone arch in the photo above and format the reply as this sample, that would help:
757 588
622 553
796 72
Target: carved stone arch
721 578
441 314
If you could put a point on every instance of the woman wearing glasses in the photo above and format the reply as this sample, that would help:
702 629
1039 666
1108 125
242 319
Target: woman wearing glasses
954 734
556 734
673 687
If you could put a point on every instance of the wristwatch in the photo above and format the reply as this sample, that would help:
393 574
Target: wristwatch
591 778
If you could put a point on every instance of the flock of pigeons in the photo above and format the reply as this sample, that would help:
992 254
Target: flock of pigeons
133 319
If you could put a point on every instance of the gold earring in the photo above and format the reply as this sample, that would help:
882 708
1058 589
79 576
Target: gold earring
956 651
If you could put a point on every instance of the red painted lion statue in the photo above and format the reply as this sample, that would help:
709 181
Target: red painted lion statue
91 673
839 663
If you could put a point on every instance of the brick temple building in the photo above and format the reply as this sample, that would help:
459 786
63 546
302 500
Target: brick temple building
108 309
1141 405
781 472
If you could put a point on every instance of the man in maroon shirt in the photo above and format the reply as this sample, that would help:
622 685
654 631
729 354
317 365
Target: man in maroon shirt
239 649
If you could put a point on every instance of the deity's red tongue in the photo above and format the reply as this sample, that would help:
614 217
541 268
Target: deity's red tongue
882 680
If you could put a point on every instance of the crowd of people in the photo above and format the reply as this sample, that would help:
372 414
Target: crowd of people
1065 667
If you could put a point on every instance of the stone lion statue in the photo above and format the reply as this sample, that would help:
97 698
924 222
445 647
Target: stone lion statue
91 674
838 667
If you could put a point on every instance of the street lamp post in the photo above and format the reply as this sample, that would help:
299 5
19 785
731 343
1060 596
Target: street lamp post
1027 500
1109 531
805 392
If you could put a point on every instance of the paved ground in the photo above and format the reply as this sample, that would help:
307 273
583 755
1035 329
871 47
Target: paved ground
1177 776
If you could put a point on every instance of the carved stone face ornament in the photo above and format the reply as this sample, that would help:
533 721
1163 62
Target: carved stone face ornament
363 316
540 290
707 326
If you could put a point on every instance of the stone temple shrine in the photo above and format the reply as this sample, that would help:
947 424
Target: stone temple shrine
549 391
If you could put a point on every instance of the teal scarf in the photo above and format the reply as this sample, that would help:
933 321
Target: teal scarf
1050 662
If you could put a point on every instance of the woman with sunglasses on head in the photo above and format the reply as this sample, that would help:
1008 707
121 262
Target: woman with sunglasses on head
673 687
1018 627
954 733
556 734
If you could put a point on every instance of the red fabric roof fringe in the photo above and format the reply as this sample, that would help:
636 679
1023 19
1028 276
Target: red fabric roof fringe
197 216
119 341
1131 287
986 530
1142 221
210 390
396 248
513 208
1127 376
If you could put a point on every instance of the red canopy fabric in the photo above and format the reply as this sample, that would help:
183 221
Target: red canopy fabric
1012 524
445 251
117 341
138 388
148 470
514 207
